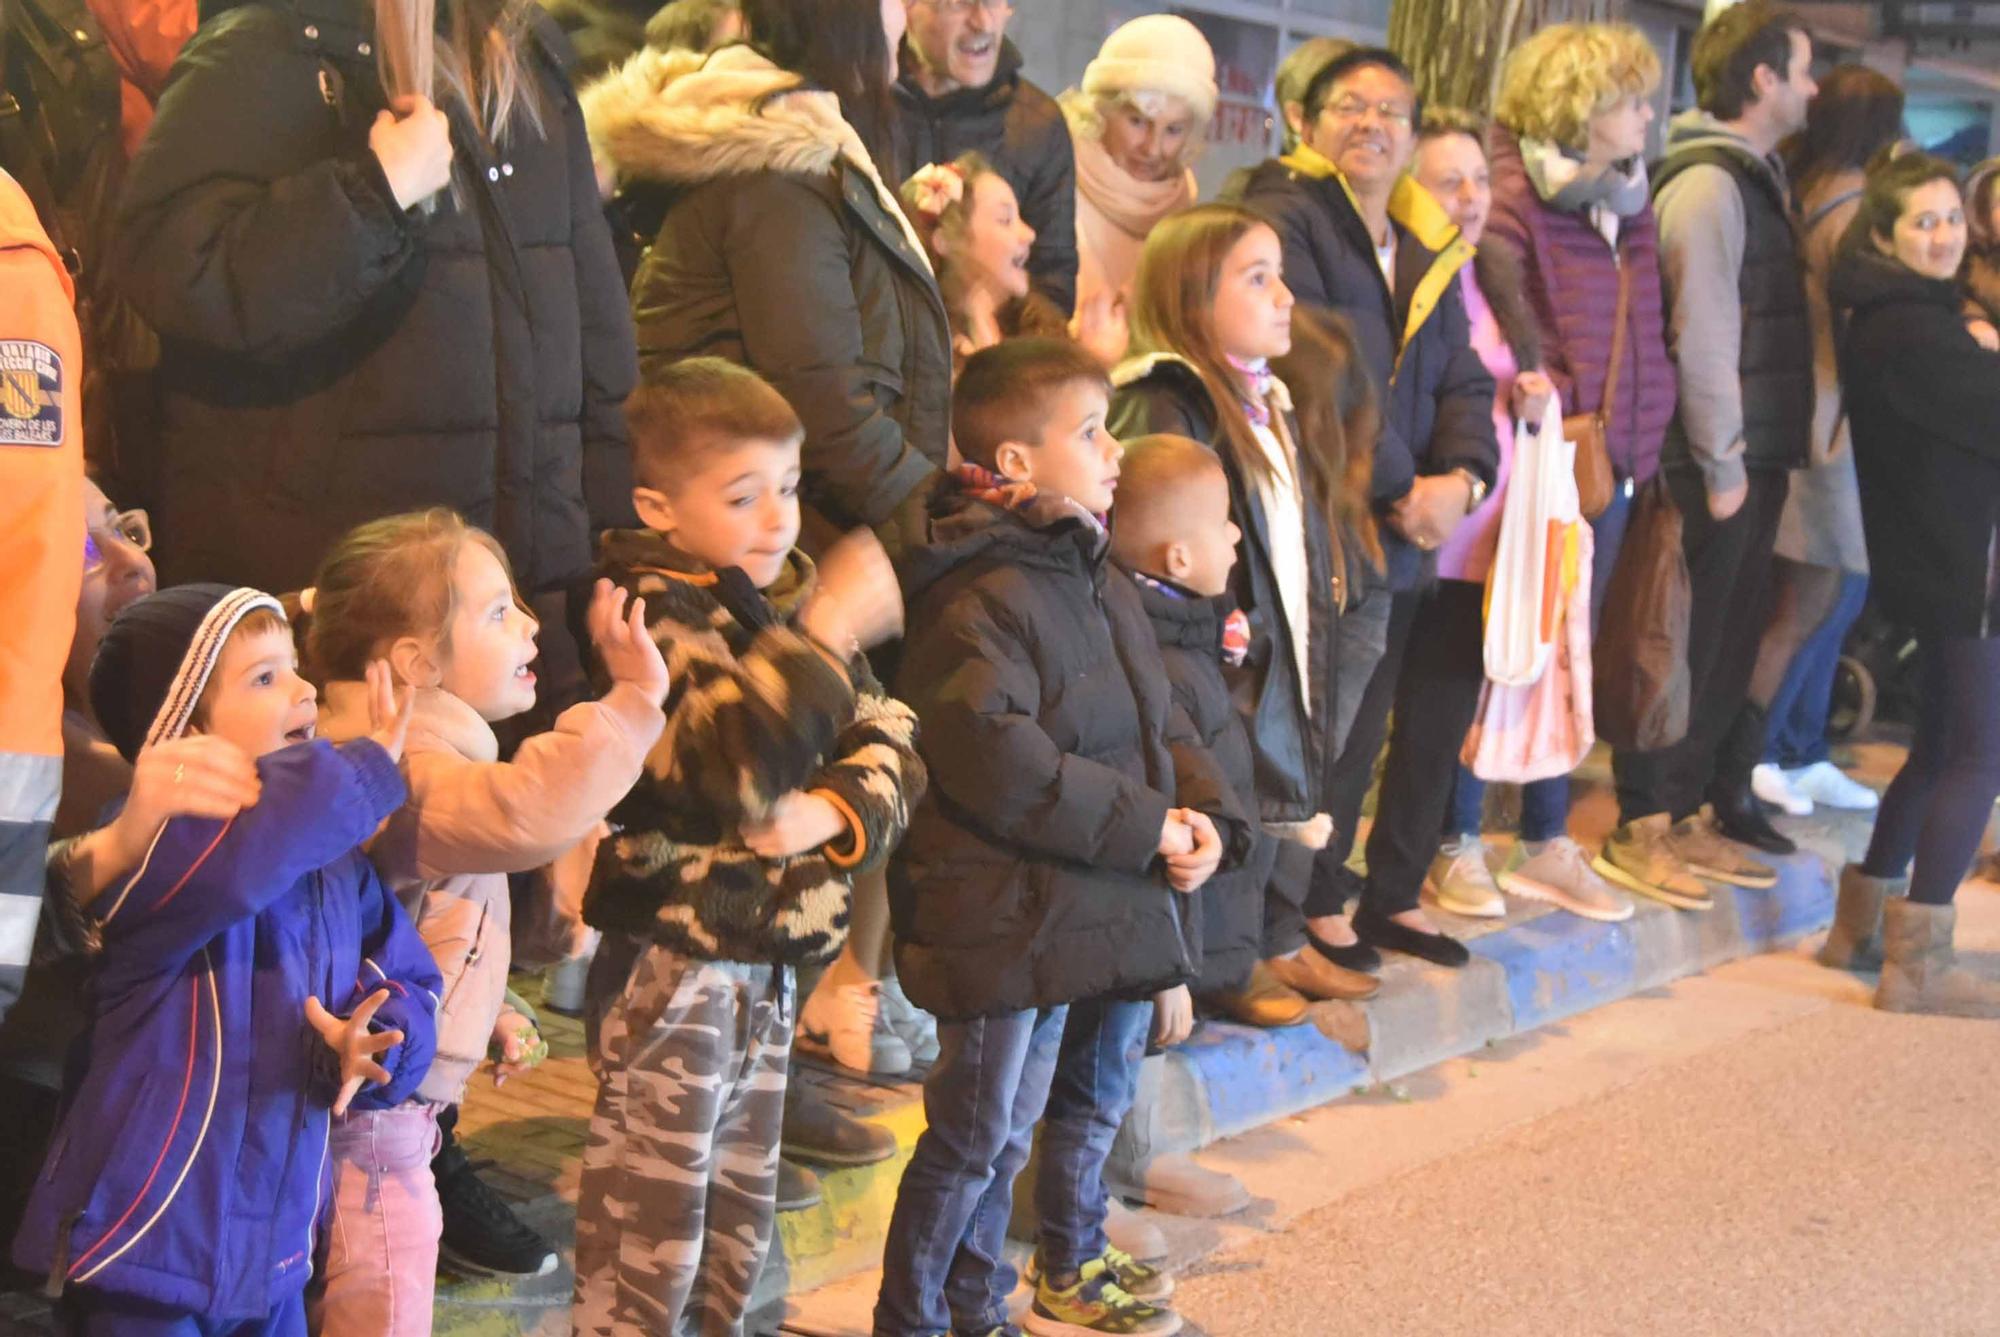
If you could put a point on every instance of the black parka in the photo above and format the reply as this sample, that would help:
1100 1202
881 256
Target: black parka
1030 875
329 358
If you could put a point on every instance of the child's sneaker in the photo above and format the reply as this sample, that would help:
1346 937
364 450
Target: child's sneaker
916 1028
1462 883
1096 1303
481 1232
1141 1281
843 1018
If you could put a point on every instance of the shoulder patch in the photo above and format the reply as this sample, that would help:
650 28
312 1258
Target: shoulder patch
31 394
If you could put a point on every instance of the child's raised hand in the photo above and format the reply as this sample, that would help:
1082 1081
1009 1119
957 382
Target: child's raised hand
1187 872
354 1043
1173 1016
1175 838
628 650
517 1046
796 824
388 709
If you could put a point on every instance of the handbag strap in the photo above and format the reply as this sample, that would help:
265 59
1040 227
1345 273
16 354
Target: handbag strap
1618 323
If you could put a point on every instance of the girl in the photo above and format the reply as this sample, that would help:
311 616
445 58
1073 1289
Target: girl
433 596
1923 398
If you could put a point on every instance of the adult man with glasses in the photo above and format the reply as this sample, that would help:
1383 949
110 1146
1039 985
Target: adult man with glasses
1362 239
961 91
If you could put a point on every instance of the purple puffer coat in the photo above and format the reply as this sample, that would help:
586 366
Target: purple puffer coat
1571 282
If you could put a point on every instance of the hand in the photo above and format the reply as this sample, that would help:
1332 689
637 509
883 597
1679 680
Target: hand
519 1044
628 650
1187 872
355 1044
197 776
389 711
1531 394
1982 330
1173 1016
1433 508
412 141
1101 327
796 824
1722 505
1175 839
857 602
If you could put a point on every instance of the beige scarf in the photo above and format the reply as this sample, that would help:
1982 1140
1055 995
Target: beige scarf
1133 206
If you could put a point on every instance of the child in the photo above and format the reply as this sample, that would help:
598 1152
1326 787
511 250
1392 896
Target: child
784 771
1037 875
200 1213
433 597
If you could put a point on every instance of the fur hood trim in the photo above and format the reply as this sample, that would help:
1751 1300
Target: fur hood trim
684 119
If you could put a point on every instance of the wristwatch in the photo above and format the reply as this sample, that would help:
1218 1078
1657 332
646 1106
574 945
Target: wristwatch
1476 483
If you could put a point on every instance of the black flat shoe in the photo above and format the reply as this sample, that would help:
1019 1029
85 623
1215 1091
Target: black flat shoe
1740 816
1436 948
1354 956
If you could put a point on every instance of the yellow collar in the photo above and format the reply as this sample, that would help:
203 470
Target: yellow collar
1409 203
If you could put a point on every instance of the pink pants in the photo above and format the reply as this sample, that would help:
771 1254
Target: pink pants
382 1245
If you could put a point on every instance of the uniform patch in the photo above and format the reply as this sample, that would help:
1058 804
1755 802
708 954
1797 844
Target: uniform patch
31 394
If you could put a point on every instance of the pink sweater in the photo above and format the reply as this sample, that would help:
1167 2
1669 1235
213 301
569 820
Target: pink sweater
1468 553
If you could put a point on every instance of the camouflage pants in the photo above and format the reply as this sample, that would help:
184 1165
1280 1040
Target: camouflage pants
679 1192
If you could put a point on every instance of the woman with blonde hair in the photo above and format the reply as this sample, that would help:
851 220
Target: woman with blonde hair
1139 120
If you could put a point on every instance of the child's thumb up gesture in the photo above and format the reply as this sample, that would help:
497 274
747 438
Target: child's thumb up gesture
389 710
628 650
355 1044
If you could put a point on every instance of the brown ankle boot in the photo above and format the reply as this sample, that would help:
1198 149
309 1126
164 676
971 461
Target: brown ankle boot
1920 971
1855 940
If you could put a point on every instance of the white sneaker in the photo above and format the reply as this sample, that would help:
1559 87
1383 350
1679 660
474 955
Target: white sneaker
916 1028
1560 873
846 1020
1775 787
1824 782
1463 884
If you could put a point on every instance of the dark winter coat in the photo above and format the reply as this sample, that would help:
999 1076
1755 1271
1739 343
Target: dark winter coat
189 1168
330 358
1030 876
1569 276
1165 394
1189 631
1020 130
1923 402
780 247
1437 396
755 712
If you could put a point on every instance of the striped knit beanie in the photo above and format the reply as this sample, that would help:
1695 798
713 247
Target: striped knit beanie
156 658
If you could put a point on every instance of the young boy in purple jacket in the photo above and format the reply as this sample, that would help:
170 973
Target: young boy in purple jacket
183 1191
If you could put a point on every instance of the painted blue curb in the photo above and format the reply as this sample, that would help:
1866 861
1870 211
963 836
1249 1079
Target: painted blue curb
1559 965
1250 1077
1801 903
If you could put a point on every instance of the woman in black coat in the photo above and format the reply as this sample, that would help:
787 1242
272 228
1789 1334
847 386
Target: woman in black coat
1923 399
348 333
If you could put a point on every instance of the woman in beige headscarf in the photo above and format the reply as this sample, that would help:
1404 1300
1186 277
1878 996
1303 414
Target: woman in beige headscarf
1138 121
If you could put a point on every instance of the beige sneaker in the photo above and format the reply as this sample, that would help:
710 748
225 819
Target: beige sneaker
1560 873
1640 858
1711 854
1461 882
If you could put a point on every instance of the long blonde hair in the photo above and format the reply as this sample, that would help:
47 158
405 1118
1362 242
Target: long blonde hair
477 59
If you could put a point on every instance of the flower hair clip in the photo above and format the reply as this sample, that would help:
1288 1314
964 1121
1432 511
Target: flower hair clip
937 187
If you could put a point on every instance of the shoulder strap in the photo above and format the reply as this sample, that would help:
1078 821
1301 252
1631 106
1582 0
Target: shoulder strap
1618 323
1828 206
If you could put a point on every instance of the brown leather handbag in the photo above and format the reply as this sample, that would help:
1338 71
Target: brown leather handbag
1595 481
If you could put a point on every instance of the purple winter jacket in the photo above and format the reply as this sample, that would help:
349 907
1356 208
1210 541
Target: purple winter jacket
1571 283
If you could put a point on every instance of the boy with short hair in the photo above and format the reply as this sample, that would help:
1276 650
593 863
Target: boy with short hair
1037 875
783 772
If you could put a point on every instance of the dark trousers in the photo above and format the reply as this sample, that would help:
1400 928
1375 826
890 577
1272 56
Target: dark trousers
1729 576
1936 810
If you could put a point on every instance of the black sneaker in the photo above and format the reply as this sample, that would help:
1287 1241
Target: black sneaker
481 1232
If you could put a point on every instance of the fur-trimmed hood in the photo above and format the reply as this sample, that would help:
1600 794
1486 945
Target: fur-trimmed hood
682 118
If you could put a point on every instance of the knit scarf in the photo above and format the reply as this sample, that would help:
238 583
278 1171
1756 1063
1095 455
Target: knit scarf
1133 206
1571 186
1256 378
1235 645
982 484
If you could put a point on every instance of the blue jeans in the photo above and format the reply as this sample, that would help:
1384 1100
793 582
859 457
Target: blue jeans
1798 711
1545 803
1097 1074
942 1265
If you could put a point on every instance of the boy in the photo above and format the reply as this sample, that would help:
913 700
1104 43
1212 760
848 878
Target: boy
1037 874
200 1214
784 771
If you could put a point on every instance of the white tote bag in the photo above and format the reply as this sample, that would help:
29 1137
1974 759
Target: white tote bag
1523 599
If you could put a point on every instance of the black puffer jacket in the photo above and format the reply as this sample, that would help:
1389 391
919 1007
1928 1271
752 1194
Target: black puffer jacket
1189 631
1020 130
780 247
1923 400
329 358
1030 876
1165 394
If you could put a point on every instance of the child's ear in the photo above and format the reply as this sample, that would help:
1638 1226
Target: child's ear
412 662
1179 561
656 512
1014 462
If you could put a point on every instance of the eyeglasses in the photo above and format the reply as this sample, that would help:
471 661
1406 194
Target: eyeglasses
133 527
958 9
1354 109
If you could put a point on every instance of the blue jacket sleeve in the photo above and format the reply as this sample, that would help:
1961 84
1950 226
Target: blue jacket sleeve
200 875
394 957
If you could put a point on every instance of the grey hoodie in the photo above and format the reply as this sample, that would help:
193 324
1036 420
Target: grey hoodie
1702 231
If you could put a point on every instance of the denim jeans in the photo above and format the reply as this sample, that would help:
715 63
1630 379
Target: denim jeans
942 1265
1097 1073
1798 711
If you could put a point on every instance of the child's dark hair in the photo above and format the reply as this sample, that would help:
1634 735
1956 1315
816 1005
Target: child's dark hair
700 406
1891 178
1007 392
384 580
